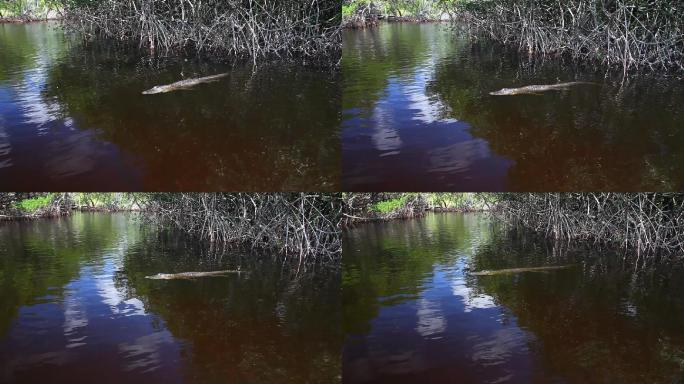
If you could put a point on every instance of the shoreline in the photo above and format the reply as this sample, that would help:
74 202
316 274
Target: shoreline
43 16
50 16
64 213
28 21
356 23
350 220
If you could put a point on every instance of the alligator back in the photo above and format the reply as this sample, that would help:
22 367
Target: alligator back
531 89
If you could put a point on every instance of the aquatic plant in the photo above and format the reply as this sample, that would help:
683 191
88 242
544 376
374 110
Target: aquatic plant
629 34
252 28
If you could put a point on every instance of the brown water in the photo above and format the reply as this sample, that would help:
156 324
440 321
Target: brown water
413 312
75 307
74 118
417 115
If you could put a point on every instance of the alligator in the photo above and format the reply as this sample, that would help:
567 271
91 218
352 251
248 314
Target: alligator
183 84
535 89
191 275
519 270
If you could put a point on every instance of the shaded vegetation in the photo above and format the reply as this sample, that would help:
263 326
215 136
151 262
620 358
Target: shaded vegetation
299 226
303 226
249 28
28 10
15 205
418 10
650 225
628 34
386 205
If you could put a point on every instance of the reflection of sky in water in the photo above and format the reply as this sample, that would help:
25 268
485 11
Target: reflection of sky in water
34 108
36 137
407 137
448 325
92 318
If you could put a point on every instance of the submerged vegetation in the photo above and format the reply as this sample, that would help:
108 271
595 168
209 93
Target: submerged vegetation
250 28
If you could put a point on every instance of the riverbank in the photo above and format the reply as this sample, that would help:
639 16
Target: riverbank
645 227
367 207
40 205
12 20
617 35
52 15
362 22
52 214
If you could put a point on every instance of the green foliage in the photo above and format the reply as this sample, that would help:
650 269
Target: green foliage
391 205
349 9
27 8
416 8
108 201
34 204
37 204
438 200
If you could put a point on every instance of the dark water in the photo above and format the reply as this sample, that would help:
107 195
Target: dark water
414 314
75 307
417 115
74 118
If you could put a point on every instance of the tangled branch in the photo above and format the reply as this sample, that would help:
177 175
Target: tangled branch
251 28
650 224
305 225
629 34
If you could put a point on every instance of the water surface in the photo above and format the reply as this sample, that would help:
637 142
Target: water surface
417 115
75 307
73 118
413 313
